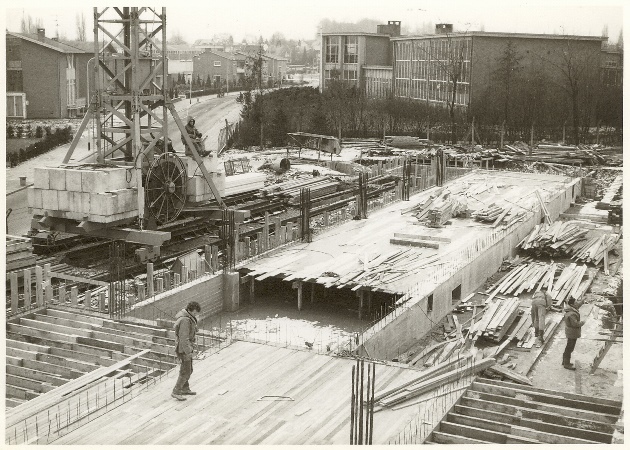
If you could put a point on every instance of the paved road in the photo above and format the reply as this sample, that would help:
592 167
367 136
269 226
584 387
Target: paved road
210 113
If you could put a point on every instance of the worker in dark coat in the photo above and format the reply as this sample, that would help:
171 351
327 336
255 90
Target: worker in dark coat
185 330
541 303
195 136
572 330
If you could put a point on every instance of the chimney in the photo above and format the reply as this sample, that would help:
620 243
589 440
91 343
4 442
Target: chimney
392 28
443 28
41 34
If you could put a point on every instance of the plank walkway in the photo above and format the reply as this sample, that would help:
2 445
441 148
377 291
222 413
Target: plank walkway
250 394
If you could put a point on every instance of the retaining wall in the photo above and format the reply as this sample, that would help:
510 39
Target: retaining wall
396 333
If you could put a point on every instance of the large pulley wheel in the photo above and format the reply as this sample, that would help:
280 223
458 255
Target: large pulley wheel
165 187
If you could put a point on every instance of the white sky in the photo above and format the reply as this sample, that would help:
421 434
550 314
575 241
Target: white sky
298 19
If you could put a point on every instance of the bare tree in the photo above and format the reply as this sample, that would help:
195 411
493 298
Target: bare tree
81 29
506 76
577 77
176 38
30 25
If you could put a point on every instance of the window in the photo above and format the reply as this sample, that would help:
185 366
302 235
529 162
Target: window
430 303
350 75
332 49
217 64
351 53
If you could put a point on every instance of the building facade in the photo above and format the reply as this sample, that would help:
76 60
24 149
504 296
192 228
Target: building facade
222 68
45 79
426 68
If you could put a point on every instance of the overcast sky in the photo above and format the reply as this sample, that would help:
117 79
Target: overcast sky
298 19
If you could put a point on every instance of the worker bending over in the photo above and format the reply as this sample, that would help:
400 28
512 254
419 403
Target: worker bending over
541 303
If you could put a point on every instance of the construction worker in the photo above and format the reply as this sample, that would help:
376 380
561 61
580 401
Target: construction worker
195 136
541 303
572 330
185 330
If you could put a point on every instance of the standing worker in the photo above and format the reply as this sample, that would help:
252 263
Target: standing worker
572 330
541 303
185 330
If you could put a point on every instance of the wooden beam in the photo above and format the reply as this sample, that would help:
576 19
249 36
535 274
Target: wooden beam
50 399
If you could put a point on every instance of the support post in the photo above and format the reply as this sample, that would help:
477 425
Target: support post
48 293
299 288
62 293
87 299
141 292
74 295
150 284
14 292
215 258
101 302
27 288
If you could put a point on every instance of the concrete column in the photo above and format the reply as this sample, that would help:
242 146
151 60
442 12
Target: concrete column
207 253
101 302
283 235
27 288
160 285
252 295
177 280
14 292
48 293
247 247
167 280
62 293
215 258
39 280
299 289
290 231
259 242
87 299
150 285
184 274
230 291
47 272
361 293
74 294
141 293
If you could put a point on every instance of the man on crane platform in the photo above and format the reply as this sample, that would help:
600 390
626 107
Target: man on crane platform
195 136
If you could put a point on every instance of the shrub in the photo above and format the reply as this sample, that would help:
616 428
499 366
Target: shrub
39 132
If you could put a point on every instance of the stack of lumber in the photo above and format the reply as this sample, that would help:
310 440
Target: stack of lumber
442 352
417 240
488 214
570 283
361 143
19 253
244 182
432 379
527 338
567 239
440 213
525 277
290 190
406 142
497 319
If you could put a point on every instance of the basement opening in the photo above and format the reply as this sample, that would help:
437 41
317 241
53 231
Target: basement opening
457 294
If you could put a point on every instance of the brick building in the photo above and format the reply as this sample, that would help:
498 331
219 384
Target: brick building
220 66
46 79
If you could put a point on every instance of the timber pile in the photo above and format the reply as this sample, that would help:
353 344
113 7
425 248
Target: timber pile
488 214
526 338
406 142
567 239
361 143
432 379
19 253
290 190
496 320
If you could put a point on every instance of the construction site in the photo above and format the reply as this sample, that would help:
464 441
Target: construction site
345 285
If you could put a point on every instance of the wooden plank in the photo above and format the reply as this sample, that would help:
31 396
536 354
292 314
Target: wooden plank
504 371
49 399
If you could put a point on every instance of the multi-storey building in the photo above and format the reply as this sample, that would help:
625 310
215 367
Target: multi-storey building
346 55
222 68
46 79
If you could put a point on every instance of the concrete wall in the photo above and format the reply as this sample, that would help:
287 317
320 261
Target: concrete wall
207 291
396 334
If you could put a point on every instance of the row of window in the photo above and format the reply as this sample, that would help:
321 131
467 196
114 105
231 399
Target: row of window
346 75
333 46
437 91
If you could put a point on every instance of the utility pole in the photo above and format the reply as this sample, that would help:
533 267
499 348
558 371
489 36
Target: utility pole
260 96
